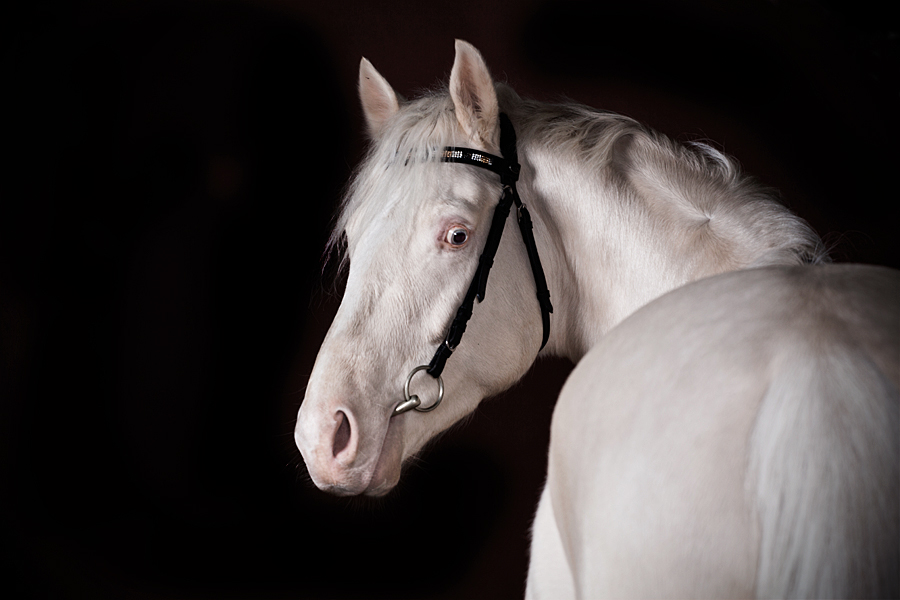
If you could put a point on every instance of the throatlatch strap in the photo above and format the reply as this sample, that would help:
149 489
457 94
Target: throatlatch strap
508 169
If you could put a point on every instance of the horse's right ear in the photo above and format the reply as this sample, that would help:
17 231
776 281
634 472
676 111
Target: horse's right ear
474 97
379 100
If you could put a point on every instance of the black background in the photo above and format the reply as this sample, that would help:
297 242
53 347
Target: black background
171 171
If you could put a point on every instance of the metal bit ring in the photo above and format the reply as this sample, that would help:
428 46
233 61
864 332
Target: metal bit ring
413 402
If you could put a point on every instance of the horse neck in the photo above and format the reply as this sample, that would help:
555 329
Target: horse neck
622 220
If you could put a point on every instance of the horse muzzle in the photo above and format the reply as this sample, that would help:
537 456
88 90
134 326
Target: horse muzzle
345 455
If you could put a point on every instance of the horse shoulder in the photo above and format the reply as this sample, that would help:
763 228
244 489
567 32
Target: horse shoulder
660 433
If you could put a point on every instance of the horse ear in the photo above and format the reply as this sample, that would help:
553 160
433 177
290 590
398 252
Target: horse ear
474 97
379 100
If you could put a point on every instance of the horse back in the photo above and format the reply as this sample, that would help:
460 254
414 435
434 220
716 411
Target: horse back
739 436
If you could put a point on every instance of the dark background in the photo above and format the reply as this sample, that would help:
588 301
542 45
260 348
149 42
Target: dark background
171 170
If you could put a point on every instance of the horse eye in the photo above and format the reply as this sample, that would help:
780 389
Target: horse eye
457 236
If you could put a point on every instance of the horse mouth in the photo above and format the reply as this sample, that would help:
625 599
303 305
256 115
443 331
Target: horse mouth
376 481
386 473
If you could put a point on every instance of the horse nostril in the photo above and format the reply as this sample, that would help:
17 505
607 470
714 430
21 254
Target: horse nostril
342 435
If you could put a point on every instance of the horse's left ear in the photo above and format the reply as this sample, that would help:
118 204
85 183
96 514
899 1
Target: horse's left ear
379 100
474 97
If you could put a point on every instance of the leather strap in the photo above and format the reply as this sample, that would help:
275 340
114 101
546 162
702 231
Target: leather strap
508 168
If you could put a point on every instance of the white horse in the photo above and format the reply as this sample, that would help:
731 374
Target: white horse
738 436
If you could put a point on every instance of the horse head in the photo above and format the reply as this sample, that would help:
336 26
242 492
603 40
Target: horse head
414 228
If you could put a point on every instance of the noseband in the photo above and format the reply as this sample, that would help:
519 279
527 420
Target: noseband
507 167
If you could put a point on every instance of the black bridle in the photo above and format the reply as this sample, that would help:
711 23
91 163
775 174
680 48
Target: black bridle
507 167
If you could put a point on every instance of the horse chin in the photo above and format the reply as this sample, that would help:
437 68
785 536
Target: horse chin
378 482
388 467
383 487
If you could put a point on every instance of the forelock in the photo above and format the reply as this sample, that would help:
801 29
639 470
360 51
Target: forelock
416 134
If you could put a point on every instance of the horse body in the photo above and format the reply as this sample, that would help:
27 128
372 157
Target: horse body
667 466
772 471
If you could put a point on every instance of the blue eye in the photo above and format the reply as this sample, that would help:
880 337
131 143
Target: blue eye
457 236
